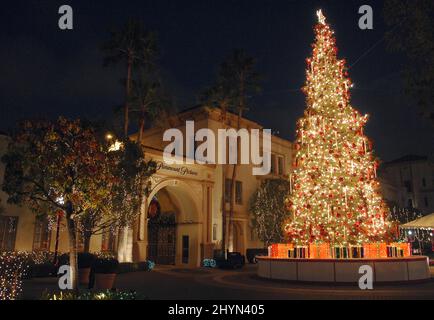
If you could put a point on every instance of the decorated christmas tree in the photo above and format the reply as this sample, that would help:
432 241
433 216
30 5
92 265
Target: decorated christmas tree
334 194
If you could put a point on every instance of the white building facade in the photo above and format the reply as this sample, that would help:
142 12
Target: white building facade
409 182
181 219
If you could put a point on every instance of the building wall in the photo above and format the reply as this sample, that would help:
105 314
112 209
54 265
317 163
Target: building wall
25 229
415 180
26 218
207 118
194 191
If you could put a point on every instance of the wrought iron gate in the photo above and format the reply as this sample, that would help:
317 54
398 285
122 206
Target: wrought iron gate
162 239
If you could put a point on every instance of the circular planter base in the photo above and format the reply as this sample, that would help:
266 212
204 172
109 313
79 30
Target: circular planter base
393 270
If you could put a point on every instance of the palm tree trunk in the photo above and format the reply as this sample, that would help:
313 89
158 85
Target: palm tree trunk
141 125
234 170
127 95
232 206
233 187
224 220
224 217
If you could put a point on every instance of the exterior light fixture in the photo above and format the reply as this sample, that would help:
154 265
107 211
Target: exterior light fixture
60 200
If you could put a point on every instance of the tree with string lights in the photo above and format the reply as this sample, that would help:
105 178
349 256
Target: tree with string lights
334 194
266 210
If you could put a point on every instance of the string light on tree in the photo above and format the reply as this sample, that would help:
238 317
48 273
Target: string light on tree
13 267
334 195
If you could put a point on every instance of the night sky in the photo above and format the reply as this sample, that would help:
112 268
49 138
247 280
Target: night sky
47 72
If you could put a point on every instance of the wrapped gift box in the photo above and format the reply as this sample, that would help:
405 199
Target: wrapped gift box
280 250
341 252
319 251
357 252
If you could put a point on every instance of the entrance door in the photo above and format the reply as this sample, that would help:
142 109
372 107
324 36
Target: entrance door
185 249
238 243
162 239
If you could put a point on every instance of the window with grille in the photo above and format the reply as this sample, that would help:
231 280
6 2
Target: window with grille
108 241
280 166
273 164
238 192
214 232
8 232
228 190
42 235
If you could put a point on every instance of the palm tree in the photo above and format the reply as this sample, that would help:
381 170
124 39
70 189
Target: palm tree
236 80
134 46
410 32
149 103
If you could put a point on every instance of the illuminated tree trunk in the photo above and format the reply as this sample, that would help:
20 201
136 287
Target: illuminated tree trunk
86 241
72 233
56 245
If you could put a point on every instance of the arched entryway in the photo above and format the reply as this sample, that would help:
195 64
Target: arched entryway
170 229
162 229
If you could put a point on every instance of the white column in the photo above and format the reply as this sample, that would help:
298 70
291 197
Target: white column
125 245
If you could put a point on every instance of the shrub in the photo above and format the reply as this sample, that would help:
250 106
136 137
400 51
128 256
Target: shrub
38 257
104 255
88 295
37 263
126 267
63 259
105 265
42 270
85 259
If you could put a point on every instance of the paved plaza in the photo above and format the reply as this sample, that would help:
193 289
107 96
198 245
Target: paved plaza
175 283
